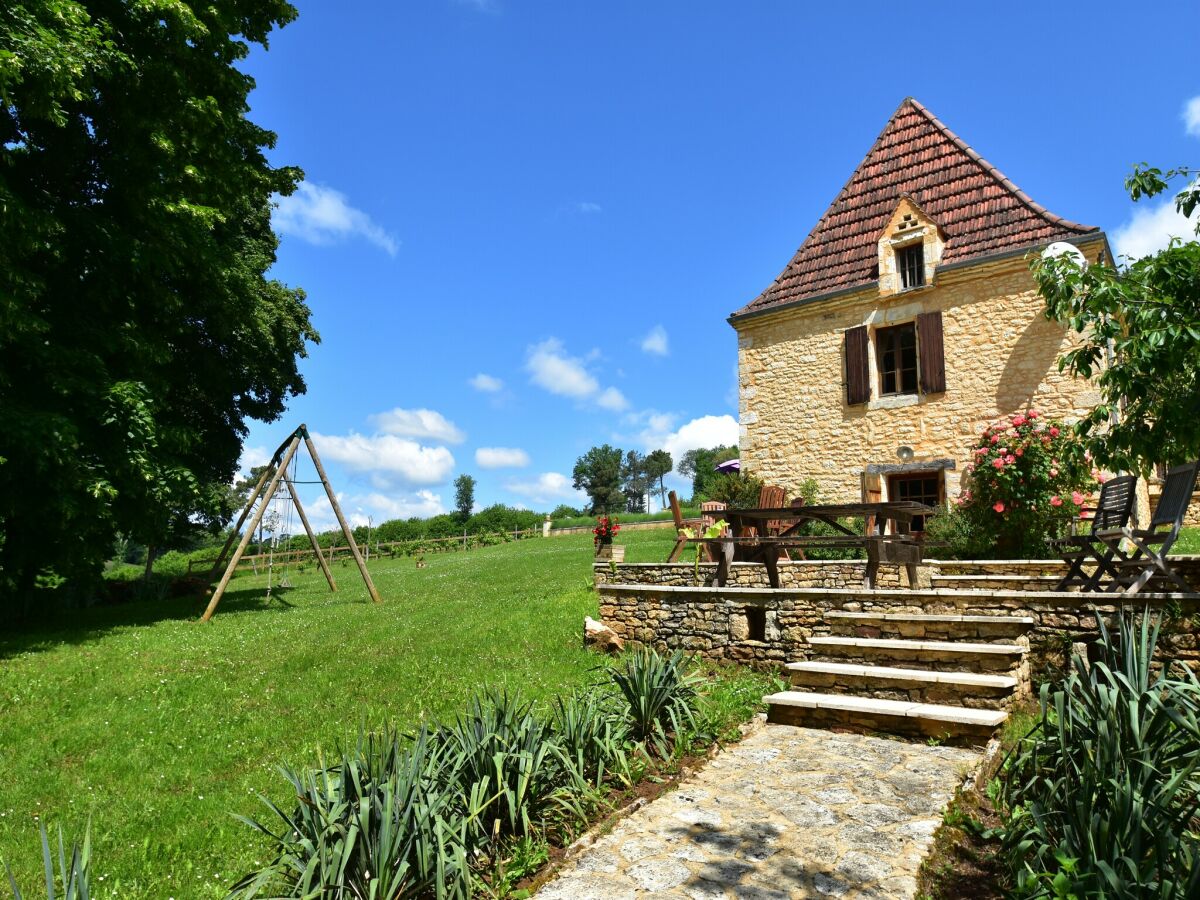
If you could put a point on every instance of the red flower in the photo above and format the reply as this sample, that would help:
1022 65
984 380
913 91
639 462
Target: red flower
1056 500
1053 431
998 506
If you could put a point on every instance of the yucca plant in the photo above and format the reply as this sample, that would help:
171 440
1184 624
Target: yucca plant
594 737
72 876
510 768
660 693
1102 798
383 822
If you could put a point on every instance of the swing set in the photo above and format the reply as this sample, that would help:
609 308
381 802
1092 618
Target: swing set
274 476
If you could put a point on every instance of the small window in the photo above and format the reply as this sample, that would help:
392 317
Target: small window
923 487
911 263
896 350
756 623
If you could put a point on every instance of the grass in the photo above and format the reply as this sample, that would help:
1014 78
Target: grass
1188 542
158 729
689 512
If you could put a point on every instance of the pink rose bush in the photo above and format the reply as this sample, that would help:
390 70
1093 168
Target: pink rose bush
1027 481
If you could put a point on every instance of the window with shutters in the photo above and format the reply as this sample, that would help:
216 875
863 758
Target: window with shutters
896 359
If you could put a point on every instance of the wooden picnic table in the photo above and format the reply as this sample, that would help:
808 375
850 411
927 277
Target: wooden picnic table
889 537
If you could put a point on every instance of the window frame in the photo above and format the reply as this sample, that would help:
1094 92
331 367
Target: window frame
910 264
884 337
936 476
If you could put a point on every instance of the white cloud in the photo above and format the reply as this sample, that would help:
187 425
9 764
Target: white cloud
656 341
611 398
418 423
251 457
501 458
1191 117
321 215
486 383
706 431
387 457
547 488
1151 228
551 368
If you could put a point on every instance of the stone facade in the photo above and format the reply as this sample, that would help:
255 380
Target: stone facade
1000 353
662 605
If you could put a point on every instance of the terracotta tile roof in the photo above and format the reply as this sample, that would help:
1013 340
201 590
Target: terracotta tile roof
979 210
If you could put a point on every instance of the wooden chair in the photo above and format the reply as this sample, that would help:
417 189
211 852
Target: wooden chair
1112 511
1144 565
677 515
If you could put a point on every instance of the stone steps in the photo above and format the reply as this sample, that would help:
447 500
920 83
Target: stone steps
968 689
920 626
940 656
905 717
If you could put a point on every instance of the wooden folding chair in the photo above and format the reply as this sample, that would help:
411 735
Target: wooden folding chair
1112 511
1144 565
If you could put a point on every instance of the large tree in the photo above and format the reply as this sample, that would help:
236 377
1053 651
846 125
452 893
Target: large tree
598 474
1140 328
464 496
658 465
634 482
700 465
138 329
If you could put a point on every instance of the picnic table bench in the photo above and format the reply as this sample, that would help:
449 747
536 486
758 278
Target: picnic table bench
889 538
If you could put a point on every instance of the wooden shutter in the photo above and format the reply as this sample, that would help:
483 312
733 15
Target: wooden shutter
931 361
858 374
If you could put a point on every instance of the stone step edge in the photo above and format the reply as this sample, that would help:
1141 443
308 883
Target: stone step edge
855 670
1023 597
1016 576
924 617
959 715
931 646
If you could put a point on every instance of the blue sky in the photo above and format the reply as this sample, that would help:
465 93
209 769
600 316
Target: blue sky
525 223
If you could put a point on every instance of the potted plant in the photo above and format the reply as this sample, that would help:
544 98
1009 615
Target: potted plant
605 530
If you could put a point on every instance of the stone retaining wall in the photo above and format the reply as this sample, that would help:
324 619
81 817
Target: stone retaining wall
798 574
721 623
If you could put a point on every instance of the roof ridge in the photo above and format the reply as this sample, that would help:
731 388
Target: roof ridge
916 155
991 169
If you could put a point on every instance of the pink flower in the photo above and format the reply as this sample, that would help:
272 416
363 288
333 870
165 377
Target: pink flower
1033 413
1056 500
994 438
1018 421
1053 431
1010 459
1077 498
1054 473
1002 450
998 506
998 463
981 451
1020 451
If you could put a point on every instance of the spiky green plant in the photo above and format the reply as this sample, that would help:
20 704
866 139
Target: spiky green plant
384 821
72 876
593 736
661 696
1102 798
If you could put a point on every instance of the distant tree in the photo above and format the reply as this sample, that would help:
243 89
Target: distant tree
598 474
658 465
140 328
562 511
700 465
1141 339
464 496
634 482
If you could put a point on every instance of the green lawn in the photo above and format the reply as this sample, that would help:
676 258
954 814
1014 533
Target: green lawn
1188 542
160 728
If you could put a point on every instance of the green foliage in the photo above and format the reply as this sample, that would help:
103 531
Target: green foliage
464 496
594 736
635 482
700 466
661 695
384 821
598 474
562 511
1102 798
735 489
1026 484
72 878
1141 340
139 330
658 466
953 534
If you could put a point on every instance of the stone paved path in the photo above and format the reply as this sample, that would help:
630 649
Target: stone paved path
787 813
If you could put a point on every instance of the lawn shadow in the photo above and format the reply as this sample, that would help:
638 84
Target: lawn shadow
93 623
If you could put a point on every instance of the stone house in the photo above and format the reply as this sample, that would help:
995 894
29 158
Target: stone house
906 322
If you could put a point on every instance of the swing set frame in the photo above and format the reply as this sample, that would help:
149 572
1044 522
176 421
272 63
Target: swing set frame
276 472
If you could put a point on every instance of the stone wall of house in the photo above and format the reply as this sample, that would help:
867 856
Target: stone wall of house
714 623
1001 357
1192 519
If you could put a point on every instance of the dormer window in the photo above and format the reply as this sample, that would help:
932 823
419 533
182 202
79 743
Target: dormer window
910 261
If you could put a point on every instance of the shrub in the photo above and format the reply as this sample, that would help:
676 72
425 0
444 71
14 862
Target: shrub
1026 483
735 489
593 737
955 535
384 821
72 879
1102 800
660 695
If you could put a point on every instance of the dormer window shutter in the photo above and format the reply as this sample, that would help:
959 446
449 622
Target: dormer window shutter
931 354
858 374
